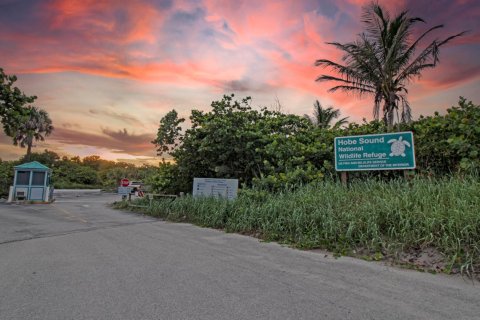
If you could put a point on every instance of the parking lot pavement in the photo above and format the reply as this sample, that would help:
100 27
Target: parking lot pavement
79 259
71 212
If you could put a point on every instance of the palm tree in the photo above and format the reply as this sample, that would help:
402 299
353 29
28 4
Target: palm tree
323 118
35 125
381 61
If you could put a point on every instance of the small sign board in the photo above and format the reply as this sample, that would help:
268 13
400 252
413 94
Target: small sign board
217 188
388 151
124 182
124 190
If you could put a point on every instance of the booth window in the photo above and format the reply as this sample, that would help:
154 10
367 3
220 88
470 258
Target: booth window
23 178
38 179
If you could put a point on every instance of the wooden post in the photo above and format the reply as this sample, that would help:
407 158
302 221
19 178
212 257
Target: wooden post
344 178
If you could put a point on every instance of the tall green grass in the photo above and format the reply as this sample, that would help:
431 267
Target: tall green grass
382 217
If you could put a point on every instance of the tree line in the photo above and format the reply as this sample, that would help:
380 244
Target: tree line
272 150
90 172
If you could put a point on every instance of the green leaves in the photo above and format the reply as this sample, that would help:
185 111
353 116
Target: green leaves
12 103
23 122
6 176
449 143
272 151
168 134
234 140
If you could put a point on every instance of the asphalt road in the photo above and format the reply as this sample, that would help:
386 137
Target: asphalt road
79 259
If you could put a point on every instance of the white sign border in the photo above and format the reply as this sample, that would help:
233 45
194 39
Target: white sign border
372 135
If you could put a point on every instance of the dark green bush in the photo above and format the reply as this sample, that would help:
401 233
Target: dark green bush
273 151
449 143
6 176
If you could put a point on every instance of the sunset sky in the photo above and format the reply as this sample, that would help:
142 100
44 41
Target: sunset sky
108 70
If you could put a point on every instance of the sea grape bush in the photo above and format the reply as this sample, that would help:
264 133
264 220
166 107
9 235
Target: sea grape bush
234 140
451 142
272 150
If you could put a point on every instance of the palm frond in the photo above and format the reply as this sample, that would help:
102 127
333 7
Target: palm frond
345 88
431 52
355 83
405 57
340 122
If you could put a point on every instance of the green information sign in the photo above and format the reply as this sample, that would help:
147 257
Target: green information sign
388 151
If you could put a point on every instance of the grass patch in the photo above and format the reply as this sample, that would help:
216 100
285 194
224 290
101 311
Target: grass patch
381 220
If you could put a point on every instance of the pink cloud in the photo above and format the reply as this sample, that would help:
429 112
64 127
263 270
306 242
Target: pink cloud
194 51
96 16
120 141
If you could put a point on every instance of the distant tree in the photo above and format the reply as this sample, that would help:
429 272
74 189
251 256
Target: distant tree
47 157
34 124
92 161
168 134
381 61
76 159
12 103
97 163
69 175
323 117
125 165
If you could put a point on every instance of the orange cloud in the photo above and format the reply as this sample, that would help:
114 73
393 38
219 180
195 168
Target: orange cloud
149 55
120 141
96 16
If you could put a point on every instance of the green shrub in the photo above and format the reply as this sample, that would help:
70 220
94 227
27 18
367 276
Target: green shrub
165 179
6 176
451 142
67 172
274 151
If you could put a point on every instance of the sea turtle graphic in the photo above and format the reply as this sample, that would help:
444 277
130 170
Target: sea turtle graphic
398 146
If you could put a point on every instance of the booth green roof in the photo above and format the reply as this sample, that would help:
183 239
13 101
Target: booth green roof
32 165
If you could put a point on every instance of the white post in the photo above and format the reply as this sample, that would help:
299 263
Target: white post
46 196
10 194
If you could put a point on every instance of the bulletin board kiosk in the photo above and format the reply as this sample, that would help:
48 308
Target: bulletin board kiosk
31 183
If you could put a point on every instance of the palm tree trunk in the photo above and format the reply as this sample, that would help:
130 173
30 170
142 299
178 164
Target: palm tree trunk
388 114
391 116
386 110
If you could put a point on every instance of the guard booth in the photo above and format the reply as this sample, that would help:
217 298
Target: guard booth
31 183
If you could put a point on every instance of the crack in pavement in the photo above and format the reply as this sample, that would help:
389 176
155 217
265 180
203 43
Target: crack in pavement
81 230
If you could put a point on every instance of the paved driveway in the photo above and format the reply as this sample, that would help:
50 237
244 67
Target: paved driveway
71 212
79 259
